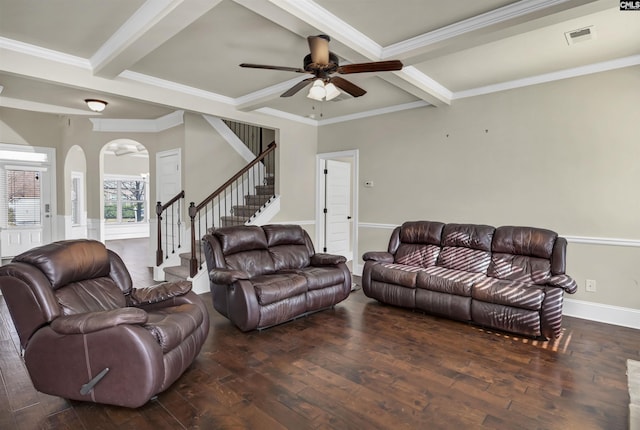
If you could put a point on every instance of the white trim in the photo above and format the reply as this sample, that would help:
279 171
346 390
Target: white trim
267 214
32 106
599 312
44 53
608 241
142 19
230 137
604 66
286 115
374 112
162 123
511 11
174 86
303 222
377 225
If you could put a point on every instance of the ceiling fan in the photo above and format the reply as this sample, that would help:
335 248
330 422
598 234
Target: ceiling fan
322 63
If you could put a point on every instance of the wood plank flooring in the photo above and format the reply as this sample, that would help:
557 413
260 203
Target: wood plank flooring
361 365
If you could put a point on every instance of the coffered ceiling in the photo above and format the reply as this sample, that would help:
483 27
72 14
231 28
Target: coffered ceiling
149 58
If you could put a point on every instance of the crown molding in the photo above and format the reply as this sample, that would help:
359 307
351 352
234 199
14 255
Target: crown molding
286 115
505 13
44 53
162 123
174 86
375 112
28 105
604 66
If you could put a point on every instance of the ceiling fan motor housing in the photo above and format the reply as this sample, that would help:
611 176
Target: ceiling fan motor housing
310 66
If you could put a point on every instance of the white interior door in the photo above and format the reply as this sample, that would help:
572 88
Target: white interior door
338 208
168 185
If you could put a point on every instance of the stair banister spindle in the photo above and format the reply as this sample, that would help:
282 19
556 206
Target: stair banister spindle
193 262
159 255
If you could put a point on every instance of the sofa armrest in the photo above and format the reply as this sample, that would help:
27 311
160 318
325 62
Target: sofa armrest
94 321
226 276
565 282
158 293
380 256
321 259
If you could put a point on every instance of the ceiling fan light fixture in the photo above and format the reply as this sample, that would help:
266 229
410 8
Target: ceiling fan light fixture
317 90
331 91
96 105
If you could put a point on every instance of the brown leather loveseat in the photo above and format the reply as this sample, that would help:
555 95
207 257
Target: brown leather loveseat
263 276
507 278
87 334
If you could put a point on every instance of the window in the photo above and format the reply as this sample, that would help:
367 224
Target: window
77 198
125 200
23 196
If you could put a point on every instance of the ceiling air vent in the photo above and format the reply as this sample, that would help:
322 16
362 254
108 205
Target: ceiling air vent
580 35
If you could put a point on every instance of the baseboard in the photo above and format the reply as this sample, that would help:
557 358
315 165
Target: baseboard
608 314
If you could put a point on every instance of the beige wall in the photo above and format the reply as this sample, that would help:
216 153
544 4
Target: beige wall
562 155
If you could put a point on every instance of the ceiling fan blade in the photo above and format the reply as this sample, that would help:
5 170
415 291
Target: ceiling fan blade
347 86
376 66
297 87
319 47
264 66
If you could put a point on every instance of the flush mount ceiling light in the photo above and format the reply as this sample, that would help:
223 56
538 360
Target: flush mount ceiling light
96 105
319 91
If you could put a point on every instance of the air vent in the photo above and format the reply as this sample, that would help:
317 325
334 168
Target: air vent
580 35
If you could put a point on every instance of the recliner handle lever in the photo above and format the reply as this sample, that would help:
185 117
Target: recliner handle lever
93 382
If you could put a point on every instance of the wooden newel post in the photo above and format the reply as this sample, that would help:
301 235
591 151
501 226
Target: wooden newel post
159 254
193 262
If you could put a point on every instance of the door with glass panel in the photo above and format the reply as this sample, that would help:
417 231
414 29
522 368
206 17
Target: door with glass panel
25 209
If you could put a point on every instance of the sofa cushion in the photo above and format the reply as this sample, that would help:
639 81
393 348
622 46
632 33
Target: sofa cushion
450 281
519 268
419 255
278 286
170 326
91 295
509 293
421 232
254 263
240 238
466 247
322 277
392 273
69 261
522 254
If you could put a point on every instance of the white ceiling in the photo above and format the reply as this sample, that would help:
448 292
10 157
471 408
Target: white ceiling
149 58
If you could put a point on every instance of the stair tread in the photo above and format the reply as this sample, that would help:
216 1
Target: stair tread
178 271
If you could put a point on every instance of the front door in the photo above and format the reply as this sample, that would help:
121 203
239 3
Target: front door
25 202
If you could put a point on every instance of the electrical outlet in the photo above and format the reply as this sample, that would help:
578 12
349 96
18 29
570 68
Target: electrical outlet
590 285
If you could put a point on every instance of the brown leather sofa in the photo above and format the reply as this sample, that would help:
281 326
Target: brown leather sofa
506 278
263 276
87 334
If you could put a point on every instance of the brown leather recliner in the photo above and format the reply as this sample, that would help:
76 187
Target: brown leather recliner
87 334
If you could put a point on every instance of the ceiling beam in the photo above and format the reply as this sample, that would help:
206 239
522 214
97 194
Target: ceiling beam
153 24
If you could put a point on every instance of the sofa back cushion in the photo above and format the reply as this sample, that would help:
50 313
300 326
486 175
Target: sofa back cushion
419 243
522 254
466 247
245 248
69 261
289 246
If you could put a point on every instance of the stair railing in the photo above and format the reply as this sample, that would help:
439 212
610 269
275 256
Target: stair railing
222 207
251 135
170 210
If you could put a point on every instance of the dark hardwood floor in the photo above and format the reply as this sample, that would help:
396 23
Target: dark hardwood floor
361 365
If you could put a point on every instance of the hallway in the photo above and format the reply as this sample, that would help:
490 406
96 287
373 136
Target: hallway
134 253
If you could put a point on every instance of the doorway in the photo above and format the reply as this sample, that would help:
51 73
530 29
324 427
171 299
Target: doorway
27 187
337 203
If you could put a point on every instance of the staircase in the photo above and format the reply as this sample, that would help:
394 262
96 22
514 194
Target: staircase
253 204
229 205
